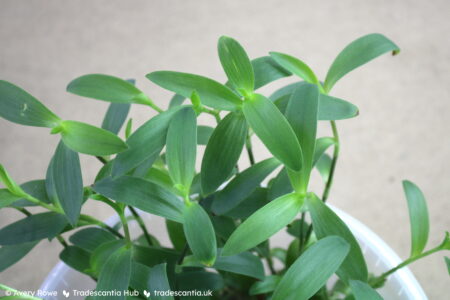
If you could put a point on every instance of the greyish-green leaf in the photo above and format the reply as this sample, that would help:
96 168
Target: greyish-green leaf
142 194
115 117
264 223
199 233
418 217
226 142
327 223
107 88
33 228
274 130
181 147
17 106
236 64
243 185
88 139
357 53
211 92
145 143
312 269
68 181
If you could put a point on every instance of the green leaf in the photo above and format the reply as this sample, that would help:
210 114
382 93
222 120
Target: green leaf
17 106
158 281
102 253
181 148
312 269
236 64
286 90
244 263
76 258
145 143
211 92
332 108
274 130
256 200
9 183
280 185
226 142
295 66
68 182
107 88
356 54
142 194
323 165
115 274
267 70
9 255
264 223
203 134
88 139
33 228
176 100
363 291
418 217
327 223
199 280
176 234
199 233
151 256
242 186
115 117
322 144
35 188
90 238
7 198
302 112
267 285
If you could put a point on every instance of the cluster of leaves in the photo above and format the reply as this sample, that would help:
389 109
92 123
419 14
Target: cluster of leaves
220 219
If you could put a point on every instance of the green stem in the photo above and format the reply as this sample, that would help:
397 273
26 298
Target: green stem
16 293
155 107
126 230
93 221
62 241
102 159
141 224
24 211
248 145
383 276
329 183
183 254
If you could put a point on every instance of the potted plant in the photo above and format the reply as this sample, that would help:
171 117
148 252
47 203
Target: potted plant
219 219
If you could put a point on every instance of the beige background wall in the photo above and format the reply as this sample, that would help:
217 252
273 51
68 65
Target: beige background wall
402 131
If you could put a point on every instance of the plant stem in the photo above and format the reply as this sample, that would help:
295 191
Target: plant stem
183 254
17 294
248 145
141 224
62 241
383 276
24 211
126 230
155 107
329 183
94 221
102 159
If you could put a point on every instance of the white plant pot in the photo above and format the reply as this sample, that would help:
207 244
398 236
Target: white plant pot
402 285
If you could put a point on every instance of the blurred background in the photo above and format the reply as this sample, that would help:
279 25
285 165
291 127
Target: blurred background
401 132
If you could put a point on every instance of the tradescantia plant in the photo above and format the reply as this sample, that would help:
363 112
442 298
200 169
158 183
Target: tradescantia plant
219 217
